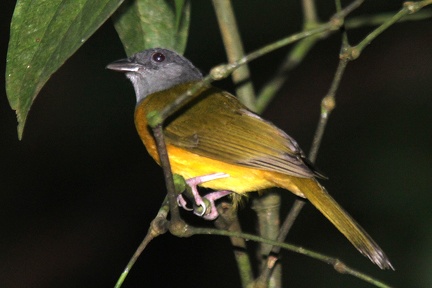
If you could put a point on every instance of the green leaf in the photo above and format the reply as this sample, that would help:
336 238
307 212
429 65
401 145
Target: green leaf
44 33
143 24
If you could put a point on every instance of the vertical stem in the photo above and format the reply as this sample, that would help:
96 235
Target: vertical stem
328 103
234 50
228 220
309 12
267 208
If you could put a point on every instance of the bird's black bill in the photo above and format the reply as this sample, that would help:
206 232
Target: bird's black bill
123 65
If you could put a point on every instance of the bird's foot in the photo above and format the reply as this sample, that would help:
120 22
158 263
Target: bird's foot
203 206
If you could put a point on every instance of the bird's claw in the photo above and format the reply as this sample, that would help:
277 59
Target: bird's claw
181 202
210 213
204 206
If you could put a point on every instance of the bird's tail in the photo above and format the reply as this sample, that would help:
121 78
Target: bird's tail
319 197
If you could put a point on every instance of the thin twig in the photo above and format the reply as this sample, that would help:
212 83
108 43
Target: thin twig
328 103
407 9
378 19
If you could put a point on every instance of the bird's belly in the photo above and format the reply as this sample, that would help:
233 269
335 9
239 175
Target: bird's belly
241 179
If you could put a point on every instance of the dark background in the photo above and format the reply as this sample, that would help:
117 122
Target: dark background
78 192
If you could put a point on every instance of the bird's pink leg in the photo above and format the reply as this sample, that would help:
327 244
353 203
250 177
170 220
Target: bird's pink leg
205 211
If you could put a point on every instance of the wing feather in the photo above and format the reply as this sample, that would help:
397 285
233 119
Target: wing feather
216 125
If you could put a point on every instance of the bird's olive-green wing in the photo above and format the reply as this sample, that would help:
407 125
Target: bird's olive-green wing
216 125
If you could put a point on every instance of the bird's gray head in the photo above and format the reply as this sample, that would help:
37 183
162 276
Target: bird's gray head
155 70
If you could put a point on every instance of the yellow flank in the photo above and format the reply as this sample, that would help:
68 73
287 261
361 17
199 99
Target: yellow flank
241 180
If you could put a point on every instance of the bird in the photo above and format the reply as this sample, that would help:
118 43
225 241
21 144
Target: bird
215 142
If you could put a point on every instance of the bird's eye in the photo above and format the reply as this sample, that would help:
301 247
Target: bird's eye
158 57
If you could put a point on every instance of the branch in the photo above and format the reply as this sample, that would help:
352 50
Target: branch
408 8
378 19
